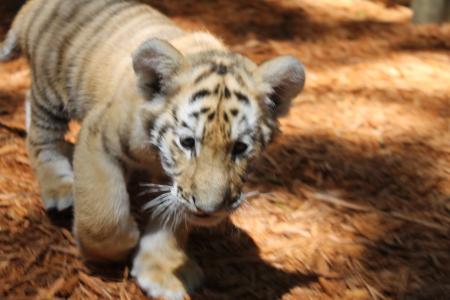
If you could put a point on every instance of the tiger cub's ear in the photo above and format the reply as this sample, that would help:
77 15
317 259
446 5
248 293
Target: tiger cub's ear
154 62
285 76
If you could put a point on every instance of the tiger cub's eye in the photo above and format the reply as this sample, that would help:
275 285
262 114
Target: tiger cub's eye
188 143
239 148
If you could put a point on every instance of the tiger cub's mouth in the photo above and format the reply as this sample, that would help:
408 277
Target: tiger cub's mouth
202 219
171 208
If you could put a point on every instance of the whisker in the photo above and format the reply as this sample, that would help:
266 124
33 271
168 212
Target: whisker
156 201
172 216
152 191
178 215
169 219
166 207
166 216
154 185
154 188
161 207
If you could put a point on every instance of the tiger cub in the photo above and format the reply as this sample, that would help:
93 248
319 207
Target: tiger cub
150 96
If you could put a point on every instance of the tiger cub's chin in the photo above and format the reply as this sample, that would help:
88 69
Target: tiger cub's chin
206 221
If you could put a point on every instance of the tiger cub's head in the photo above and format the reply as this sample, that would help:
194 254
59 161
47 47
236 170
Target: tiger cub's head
213 112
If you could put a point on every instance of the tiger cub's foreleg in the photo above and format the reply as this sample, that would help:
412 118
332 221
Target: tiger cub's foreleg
104 226
48 152
161 266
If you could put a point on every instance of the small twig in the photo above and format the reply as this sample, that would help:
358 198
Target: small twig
52 290
65 250
374 293
93 285
340 202
415 220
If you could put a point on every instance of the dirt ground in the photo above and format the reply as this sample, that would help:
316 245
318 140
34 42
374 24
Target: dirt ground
355 194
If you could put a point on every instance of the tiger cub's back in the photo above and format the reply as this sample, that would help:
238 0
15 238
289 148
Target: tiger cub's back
79 50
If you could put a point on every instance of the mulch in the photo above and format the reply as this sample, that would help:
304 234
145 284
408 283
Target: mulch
353 197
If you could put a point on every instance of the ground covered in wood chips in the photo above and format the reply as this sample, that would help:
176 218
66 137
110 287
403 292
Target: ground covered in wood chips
355 194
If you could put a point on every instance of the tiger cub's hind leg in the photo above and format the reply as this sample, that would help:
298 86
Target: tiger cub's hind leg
48 152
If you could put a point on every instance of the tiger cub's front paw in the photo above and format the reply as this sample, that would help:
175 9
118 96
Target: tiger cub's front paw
57 193
166 273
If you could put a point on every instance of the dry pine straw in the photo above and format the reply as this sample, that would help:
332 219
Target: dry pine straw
354 196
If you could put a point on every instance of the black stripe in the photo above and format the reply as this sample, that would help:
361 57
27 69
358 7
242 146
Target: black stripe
200 94
52 22
45 28
161 133
149 125
242 177
166 162
204 75
44 109
176 145
226 93
261 139
54 116
46 159
44 142
106 144
203 134
66 40
48 126
242 98
174 114
240 80
40 95
41 73
42 117
234 112
31 25
217 89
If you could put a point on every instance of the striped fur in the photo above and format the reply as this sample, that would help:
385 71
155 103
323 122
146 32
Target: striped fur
149 96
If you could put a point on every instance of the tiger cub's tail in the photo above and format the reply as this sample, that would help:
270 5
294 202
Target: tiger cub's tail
10 48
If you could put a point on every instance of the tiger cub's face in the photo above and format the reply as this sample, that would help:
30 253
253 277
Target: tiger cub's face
219 111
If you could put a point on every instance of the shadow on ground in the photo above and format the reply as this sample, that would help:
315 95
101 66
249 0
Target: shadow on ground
400 176
234 270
